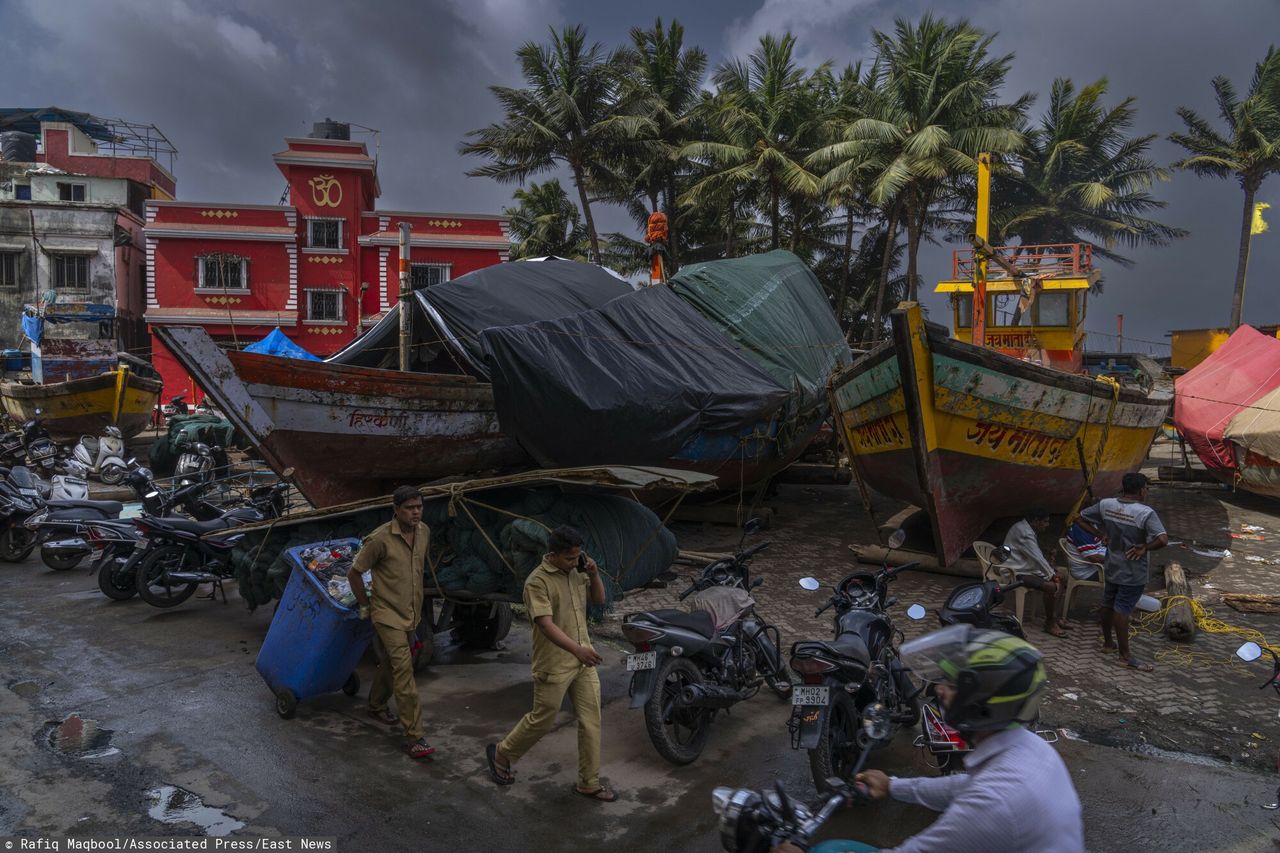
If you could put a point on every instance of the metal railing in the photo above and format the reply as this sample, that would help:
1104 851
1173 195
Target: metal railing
1049 260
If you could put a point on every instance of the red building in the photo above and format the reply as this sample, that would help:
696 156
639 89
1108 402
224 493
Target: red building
323 268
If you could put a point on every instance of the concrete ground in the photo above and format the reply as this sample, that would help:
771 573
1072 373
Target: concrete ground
116 718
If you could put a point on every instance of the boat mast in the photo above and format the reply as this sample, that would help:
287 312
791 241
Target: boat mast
981 227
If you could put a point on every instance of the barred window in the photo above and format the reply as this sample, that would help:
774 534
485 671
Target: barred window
70 272
223 272
324 305
324 233
426 275
70 192
8 269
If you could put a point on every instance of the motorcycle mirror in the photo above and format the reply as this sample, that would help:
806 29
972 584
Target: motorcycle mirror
810 584
39 411
1249 652
898 537
1001 555
916 612
875 722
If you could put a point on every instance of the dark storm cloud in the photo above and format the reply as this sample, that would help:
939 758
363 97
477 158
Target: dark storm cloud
228 79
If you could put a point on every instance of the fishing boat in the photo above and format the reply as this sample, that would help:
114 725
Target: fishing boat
80 383
1001 416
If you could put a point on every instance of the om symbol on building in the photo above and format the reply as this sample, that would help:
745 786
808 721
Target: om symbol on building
326 191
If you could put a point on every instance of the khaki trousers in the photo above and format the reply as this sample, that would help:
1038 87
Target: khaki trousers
584 692
395 674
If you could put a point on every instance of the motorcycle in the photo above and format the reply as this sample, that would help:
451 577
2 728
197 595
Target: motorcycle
39 447
198 462
758 821
19 500
13 450
1249 652
103 457
858 668
970 603
175 555
688 666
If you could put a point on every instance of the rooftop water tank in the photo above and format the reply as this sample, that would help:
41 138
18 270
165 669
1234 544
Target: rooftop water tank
330 129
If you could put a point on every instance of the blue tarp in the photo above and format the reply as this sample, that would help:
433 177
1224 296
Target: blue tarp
279 345
33 328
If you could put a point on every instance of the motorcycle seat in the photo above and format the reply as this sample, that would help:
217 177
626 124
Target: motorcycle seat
699 621
186 525
105 507
849 646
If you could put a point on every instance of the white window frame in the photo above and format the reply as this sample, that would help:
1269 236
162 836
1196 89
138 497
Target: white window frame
84 190
63 257
311 220
446 271
213 288
342 305
14 258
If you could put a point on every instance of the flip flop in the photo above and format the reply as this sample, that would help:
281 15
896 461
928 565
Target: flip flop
1136 664
420 750
602 794
496 770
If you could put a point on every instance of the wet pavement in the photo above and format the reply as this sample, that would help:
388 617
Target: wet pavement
118 718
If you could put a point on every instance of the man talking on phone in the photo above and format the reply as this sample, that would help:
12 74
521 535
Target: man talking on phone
563 661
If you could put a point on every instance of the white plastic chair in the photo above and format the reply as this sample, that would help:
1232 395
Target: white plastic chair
1074 560
992 571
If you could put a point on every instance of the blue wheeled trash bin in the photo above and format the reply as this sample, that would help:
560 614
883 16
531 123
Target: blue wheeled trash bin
314 643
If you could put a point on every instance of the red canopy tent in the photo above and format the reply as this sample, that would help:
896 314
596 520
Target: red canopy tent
1210 396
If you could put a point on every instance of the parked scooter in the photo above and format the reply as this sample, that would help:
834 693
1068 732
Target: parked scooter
19 500
689 666
103 457
1248 653
858 668
13 450
175 555
198 462
40 449
758 821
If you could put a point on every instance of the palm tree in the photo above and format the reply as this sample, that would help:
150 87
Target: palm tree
761 123
933 108
660 80
566 116
1250 151
1081 178
546 222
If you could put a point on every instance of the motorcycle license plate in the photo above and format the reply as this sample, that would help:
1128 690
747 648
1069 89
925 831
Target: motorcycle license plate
142 544
30 492
808 694
644 660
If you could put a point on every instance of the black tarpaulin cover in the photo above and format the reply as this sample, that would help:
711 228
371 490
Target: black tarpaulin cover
454 313
635 379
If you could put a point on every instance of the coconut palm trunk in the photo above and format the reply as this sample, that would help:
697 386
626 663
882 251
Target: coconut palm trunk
1242 260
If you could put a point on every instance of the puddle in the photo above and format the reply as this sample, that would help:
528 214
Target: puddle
76 737
25 689
1152 751
171 804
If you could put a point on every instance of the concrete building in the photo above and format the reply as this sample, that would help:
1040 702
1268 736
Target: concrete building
72 217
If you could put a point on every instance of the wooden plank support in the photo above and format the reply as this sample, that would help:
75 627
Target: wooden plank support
1179 621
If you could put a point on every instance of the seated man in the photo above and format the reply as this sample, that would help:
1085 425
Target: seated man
1090 552
1026 558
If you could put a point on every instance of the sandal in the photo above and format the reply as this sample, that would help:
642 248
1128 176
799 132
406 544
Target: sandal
602 794
1136 664
499 774
385 716
420 750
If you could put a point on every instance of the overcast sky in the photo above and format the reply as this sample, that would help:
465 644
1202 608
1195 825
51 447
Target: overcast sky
226 80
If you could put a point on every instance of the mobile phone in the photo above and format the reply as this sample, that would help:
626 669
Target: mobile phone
582 562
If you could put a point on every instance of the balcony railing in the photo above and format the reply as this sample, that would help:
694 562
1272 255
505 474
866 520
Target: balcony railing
1062 260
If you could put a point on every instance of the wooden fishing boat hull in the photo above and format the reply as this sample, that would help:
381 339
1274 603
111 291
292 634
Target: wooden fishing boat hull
972 436
349 432
84 406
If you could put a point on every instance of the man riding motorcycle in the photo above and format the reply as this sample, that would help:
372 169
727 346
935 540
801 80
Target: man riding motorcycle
1016 793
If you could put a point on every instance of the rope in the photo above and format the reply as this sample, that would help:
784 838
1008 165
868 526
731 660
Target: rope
1102 443
1153 623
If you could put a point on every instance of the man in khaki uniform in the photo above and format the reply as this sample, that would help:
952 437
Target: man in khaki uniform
395 554
563 661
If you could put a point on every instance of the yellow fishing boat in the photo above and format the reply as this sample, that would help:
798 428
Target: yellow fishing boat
978 430
84 406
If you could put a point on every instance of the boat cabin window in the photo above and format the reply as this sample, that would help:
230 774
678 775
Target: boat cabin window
964 309
1053 308
1001 308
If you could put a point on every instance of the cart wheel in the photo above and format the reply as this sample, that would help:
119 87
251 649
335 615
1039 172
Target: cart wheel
352 687
286 703
479 630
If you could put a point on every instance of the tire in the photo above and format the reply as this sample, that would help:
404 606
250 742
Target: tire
16 544
286 703
352 687
112 475
159 560
117 581
479 631
837 751
59 564
679 734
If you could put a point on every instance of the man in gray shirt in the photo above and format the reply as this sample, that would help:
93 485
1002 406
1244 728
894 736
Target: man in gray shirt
1131 529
